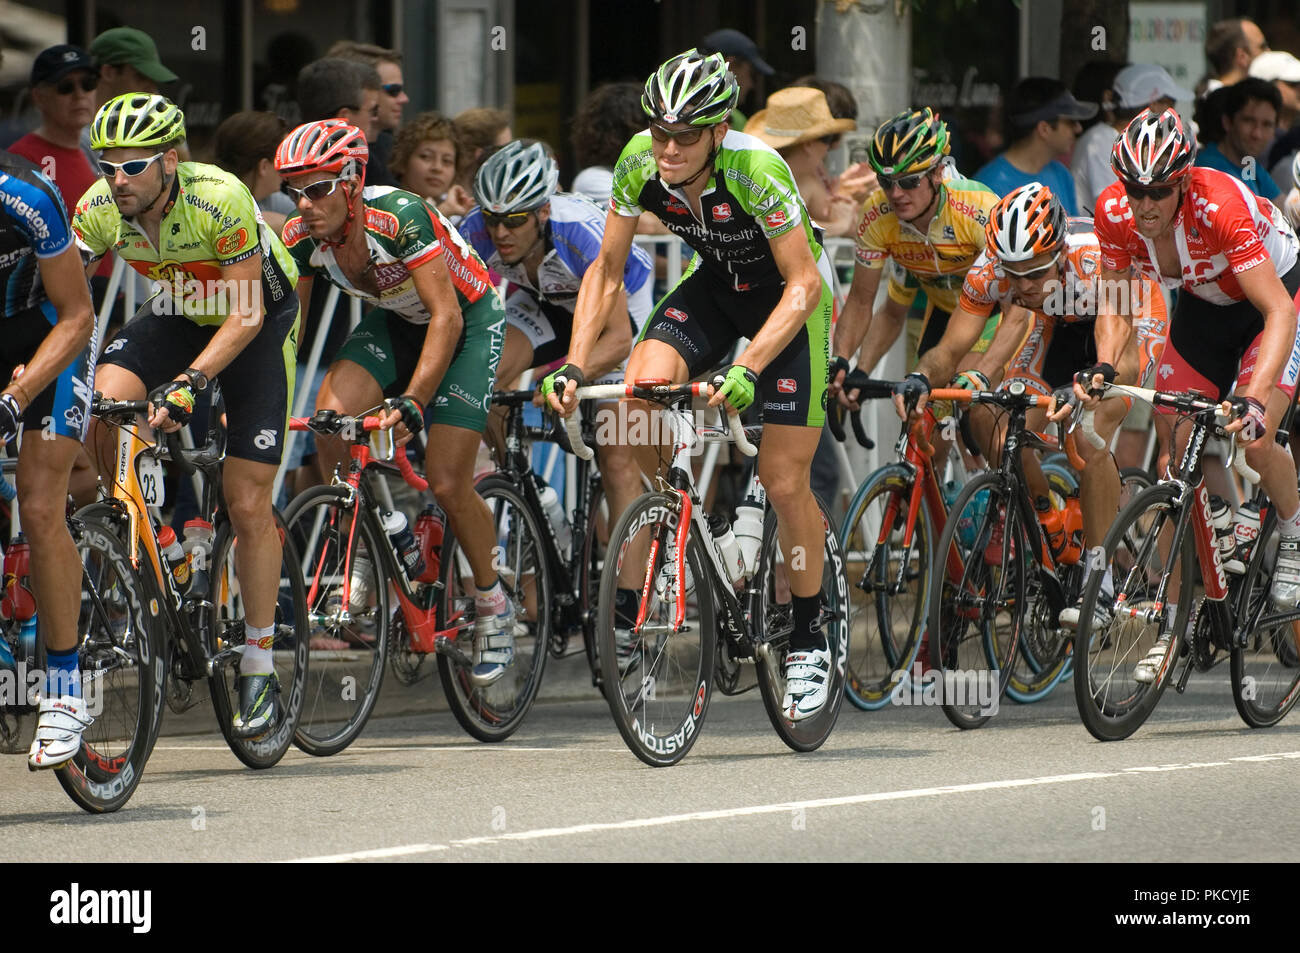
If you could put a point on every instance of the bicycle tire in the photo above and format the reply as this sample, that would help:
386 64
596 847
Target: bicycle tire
593 558
670 682
494 712
974 661
104 774
775 622
1111 708
870 677
343 681
291 648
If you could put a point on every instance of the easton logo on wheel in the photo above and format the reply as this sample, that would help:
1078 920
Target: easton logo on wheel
787 385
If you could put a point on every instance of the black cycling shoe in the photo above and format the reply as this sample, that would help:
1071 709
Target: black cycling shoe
256 715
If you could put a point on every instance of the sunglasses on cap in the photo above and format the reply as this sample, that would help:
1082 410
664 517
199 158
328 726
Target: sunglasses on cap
511 221
315 192
687 137
71 85
904 182
393 89
132 167
1136 193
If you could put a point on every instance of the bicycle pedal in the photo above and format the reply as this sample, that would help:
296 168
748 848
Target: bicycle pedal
445 646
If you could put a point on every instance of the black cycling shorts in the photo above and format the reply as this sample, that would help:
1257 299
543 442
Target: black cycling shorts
63 407
256 385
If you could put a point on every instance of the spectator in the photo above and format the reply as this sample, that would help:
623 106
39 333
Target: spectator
609 116
1134 88
1248 118
798 123
1283 71
1095 83
743 60
286 54
1042 124
479 130
337 88
244 145
426 157
1230 46
63 82
1292 206
858 180
392 97
128 63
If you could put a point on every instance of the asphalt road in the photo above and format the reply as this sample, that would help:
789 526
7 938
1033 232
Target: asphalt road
899 784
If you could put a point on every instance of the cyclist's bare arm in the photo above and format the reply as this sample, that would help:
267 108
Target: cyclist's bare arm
803 289
1007 341
1265 291
941 362
433 284
614 342
64 285
857 322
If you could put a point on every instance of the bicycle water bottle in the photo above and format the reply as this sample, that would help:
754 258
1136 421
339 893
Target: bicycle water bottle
748 528
1072 518
1245 532
430 527
175 558
555 513
972 517
1053 523
725 540
1224 534
403 540
359 587
198 550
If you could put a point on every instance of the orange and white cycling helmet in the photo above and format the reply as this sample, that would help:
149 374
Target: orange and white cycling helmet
1025 223
326 145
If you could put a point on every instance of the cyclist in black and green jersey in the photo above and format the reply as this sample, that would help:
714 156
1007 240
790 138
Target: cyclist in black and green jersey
433 338
757 273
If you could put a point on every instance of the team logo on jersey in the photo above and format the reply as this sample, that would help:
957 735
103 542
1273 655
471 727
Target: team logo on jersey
722 213
775 219
949 233
787 385
676 207
676 315
229 244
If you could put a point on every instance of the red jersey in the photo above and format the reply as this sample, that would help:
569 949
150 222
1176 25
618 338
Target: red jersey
69 170
1221 229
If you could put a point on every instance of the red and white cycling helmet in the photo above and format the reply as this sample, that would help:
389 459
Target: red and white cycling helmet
326 145
1154 149
1025 223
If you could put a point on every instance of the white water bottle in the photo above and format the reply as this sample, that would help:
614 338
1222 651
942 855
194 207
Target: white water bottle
559 522
1246 532
1224 533
748 527
725 540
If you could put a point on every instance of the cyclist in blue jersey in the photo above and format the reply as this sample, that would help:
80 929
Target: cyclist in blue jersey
759 272
49 330
542 242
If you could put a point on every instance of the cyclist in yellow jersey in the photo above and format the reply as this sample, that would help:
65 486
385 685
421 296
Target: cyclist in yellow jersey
227 308
930 225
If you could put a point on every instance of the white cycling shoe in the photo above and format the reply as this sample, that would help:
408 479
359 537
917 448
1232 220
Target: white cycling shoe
807 683
494 647
58 731
1146 670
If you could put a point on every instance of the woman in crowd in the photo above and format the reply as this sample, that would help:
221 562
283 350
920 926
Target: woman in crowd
244 145
427 154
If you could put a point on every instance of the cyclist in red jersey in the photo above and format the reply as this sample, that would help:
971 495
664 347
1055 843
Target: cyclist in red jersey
1233 258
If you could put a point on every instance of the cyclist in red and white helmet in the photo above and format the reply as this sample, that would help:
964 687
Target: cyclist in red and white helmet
1233 258
431 339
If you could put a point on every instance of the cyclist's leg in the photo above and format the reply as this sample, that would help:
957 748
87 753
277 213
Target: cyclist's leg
363 373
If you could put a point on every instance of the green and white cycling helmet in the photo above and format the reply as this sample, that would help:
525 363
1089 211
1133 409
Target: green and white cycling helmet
518 177
692 88
137 120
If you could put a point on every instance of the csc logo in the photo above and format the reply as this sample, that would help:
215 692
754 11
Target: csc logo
1121 204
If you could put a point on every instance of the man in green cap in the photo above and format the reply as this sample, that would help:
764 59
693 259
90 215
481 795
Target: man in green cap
128 63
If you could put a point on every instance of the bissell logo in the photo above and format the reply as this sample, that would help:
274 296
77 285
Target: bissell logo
678 316
787 385
722 213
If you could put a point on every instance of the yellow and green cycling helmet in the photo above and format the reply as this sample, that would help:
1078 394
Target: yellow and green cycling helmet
137 120
913 141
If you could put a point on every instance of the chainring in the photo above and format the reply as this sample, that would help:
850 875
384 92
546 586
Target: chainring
405 664
1200 639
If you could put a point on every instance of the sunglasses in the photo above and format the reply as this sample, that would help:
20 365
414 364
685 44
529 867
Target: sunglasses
512 221
69 85
687 137
393 89
907 182
132 167
1137 193
1036 273
315 192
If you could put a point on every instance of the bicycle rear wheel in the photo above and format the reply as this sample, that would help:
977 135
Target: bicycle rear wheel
1266 670
775 622
661 697
290 648
889 585
123 671
1112 702
347 660
494 712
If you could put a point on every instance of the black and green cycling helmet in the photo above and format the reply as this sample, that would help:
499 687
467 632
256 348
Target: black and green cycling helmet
911 142
137 120
693 88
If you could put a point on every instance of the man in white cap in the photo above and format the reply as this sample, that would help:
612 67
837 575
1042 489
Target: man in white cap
1136 87
1283 71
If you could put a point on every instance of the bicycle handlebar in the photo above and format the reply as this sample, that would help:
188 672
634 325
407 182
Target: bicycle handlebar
122 412
330 423
645 391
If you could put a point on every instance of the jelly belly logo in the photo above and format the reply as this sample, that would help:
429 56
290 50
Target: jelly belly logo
722 213
786 385
678 316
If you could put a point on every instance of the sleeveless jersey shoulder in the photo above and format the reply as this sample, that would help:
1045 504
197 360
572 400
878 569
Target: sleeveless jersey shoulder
34 207
635 167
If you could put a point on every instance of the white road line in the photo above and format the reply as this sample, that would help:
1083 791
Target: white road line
378 852
667 819
358 748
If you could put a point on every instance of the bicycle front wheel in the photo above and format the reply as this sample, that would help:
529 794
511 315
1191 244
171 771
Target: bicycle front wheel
658 687
290 647
494 712
348 643
889 580
123 671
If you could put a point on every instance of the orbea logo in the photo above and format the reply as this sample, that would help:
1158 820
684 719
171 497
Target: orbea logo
103 907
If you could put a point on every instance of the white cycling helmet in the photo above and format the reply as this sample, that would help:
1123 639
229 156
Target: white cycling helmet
1025 223
518 177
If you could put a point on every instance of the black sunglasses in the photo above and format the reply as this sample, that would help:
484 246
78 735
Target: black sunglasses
393 89
687 137
511 221
1155 193
87 85
905 182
